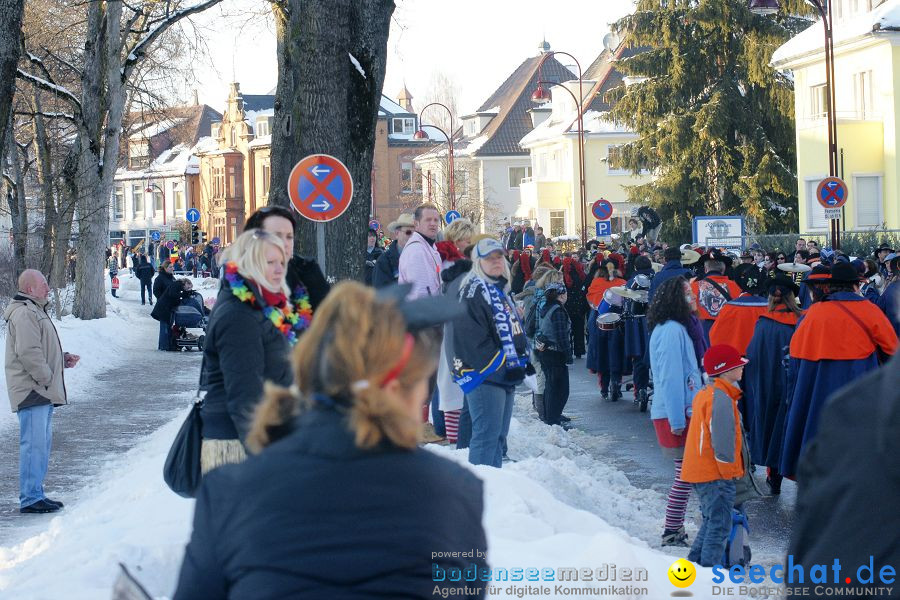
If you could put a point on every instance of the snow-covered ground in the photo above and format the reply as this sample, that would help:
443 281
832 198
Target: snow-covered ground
560 505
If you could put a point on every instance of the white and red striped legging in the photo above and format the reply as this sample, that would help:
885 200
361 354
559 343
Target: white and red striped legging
451 424
676 503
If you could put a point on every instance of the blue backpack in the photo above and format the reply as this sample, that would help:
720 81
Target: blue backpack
737 550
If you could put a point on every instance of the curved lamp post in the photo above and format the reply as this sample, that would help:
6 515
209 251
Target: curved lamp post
542 96
421 135
149 189
770 7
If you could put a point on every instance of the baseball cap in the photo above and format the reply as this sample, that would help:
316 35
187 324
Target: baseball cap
722 358
488 245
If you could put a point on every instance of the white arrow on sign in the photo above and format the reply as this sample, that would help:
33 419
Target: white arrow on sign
321 205
320 170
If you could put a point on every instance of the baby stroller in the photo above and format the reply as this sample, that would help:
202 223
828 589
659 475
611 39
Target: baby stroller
189 314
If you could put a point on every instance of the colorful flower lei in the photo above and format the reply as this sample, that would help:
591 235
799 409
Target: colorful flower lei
290 320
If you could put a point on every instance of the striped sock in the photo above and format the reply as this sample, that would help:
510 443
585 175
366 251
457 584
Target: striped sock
451 423
676 503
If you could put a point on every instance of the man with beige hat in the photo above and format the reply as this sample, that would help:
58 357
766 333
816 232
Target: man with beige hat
387 267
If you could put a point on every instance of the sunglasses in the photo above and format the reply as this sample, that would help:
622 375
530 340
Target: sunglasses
407 231
782 258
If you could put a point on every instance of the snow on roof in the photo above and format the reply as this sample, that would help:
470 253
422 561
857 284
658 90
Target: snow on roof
491 111
252 115
157 128
810 41
205 144
263 140
389 107
566 124
171 163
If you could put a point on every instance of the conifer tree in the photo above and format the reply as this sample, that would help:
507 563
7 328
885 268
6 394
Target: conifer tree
716 122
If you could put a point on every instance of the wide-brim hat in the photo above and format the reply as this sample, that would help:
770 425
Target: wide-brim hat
781 281
748 277
689 257
820 274
404 220
843 273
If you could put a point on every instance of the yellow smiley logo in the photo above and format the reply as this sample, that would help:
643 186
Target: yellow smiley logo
682 573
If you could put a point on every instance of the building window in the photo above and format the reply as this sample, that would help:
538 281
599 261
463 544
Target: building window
158 201
867 199
214 130
818 108
266 178
404 125
137 200
218 182
815 214
139 154
406 178
262 127
557 223
233 138
119 207
612 155
516 175
461 183
863 95
179 201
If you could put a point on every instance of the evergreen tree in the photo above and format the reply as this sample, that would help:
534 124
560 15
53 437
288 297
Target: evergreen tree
716 122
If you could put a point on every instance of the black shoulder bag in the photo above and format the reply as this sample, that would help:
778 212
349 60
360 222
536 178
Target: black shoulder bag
181 470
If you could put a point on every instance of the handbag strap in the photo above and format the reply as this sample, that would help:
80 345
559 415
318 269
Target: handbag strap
722 290
197 398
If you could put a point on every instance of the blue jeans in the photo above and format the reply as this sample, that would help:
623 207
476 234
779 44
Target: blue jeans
716 502
490 408
464 433
35 438
437 416
164 343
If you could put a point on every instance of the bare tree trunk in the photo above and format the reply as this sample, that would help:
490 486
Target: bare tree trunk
16 200
68 195
45 181
323 104
10 34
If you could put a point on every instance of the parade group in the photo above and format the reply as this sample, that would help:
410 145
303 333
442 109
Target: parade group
318 397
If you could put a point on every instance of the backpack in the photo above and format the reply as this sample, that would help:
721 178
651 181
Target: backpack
737 548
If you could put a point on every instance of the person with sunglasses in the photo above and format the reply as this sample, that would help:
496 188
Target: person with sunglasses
387 267
304 276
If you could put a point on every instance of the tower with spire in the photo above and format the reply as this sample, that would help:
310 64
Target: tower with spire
404 98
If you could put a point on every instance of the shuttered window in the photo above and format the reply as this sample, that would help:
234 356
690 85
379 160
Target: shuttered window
866 197
815 214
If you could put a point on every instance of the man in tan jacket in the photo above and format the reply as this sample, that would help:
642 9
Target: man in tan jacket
34 379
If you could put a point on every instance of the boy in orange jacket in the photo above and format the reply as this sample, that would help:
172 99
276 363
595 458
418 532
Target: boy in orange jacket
712 453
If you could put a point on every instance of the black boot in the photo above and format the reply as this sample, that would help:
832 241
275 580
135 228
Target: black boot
538 403
616 393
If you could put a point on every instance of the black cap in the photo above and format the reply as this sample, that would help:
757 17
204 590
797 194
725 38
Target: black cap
749 277
843 273
785 283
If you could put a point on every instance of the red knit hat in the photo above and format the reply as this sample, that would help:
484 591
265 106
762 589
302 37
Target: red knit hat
722 358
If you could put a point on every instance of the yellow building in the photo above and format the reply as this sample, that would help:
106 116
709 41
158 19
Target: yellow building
867 75
552 195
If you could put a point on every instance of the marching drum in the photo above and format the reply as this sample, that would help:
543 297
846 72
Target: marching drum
609 321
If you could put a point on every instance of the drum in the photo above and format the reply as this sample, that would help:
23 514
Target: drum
613 299
642 281
609 321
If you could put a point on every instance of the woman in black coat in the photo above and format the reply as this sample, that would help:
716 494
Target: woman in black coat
167 292
341 502
243 347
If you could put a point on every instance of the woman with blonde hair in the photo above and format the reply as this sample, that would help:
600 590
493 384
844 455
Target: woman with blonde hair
340 502
251 330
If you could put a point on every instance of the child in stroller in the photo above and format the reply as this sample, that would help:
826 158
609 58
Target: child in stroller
189 314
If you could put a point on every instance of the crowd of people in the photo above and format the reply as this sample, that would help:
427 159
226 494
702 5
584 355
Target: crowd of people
318 399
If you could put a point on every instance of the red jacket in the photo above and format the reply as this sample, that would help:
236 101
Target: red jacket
828 332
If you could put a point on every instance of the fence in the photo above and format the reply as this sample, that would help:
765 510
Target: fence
854 243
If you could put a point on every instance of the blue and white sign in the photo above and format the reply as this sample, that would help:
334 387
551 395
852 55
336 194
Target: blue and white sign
602 209
215 241
719 231
604 228
154 235
193 215
451 216
374 225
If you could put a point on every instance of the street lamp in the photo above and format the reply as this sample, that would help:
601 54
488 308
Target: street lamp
421 135
542 96
149 190
770 7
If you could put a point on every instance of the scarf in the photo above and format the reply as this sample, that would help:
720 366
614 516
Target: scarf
291 318
525 264
507 325
695 331
448 251
567 276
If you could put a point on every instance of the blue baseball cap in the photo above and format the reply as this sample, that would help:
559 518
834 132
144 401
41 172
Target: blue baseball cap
488 245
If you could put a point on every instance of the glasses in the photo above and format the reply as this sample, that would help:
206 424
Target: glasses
782 258
407 231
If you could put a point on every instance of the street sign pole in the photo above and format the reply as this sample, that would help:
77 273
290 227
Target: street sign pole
320 245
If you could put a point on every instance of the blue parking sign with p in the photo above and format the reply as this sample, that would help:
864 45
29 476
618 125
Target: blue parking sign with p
604 228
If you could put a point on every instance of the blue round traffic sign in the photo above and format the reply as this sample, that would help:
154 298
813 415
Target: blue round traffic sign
320 187
193 215
602 209
154 235
215 241
374 225
832 192
451 216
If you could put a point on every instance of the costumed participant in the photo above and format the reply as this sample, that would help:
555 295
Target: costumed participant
676 379
766 384
637 334
813 288
606 344
651 223
889 302
576 303
521 271
737 319
675 266
823 364
348 429
713 290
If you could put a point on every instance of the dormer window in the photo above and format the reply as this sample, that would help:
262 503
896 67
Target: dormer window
404 125
215 130
262 127
472 127
139 154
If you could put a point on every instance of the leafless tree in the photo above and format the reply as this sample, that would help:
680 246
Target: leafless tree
10 32
444 89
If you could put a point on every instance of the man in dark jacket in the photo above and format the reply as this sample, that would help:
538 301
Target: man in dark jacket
848 484
168 293
163 253
373 253
672 268
144 273
387 267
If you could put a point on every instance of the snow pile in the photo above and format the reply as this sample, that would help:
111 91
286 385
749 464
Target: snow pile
552 509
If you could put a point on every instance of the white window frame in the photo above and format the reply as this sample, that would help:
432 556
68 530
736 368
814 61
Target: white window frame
526 169
863 94
176 191
137 195
610 170
812 203
407 177
119 211
262 127
550 218
818 101
856 219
